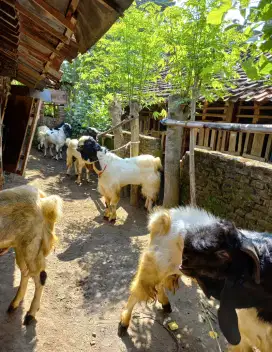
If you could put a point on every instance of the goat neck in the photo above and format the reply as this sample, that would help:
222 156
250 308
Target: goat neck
105 157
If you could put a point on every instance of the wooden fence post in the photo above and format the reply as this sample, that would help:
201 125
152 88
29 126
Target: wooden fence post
172 153
192 148
135 147
115 110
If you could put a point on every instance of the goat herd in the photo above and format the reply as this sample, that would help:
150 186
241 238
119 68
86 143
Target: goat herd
230 264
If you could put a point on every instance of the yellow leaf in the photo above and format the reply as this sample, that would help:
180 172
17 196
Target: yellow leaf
173 325
213 334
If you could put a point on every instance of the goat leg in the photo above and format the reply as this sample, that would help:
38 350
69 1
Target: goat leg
39 281
20 294
126 315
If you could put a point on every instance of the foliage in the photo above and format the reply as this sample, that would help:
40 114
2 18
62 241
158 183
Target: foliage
200 54
256 64
48 110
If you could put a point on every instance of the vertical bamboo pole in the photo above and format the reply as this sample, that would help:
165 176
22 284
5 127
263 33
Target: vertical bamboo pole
135 146
192 149
115 110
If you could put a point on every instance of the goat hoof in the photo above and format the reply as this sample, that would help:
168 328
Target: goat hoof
167 308
28 319
122 330
11 309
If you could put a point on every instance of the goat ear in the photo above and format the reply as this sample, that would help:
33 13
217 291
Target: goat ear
248 248
227 316
224 255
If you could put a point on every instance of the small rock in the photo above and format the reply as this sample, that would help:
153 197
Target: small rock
94 334
92 343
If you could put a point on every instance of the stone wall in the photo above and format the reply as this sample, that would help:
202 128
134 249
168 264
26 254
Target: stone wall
50 121
231 187
148 145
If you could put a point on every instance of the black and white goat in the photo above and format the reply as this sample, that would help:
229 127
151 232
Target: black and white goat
57 138
116 173
234 266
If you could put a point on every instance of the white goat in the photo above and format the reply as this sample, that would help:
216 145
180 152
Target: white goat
27 223
159 264
57 138
41 133
117 172
73 157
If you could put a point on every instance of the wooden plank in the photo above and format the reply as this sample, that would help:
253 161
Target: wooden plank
213 139
229 112
224 136
240 139
206 137
33 52
8 53
32 132
216 108
268 148
201 137
8 20
55 14
243 115
257 144
112 6
249 156
28 70
40 23
232 142
39 40
256 112
8 10
30 61
219 140
246 143
23 143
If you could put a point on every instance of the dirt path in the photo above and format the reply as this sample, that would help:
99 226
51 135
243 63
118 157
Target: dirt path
88 280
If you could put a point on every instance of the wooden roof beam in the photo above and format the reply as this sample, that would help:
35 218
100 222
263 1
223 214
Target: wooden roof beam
11 39
7 10
40 23
25 81
112 5
55 14
32 73
39 40
8 45
30 61
9 2
11 55
10 21
32 51
8 28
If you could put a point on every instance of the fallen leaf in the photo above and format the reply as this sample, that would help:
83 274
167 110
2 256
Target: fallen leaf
173 325
213 334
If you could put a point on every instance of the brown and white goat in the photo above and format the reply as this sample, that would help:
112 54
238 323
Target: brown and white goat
159 263
27 223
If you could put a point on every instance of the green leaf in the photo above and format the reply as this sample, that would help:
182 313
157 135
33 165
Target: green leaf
215 16
251 69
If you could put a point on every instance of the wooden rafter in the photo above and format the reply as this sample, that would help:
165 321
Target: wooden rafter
30 61
9 54
6 9
32 51
32 73
111 5
55 14
39 40
7 28
40 23
10 2
7 19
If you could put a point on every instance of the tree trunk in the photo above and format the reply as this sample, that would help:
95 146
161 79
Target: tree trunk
115 110
192 149
172 153
135 146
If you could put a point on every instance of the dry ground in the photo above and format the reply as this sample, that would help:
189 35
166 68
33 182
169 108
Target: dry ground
88 280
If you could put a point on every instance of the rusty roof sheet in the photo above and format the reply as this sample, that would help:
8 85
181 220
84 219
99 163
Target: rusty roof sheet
36 36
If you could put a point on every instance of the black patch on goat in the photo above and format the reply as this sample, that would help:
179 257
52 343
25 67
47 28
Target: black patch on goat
89 149
234 267
43 277
67 129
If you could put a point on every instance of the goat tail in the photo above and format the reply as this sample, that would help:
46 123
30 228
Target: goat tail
51 208
159 222
157 164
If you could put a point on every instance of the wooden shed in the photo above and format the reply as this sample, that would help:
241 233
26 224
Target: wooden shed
36 36
250 102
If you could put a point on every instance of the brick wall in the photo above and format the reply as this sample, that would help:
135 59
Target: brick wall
232 187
